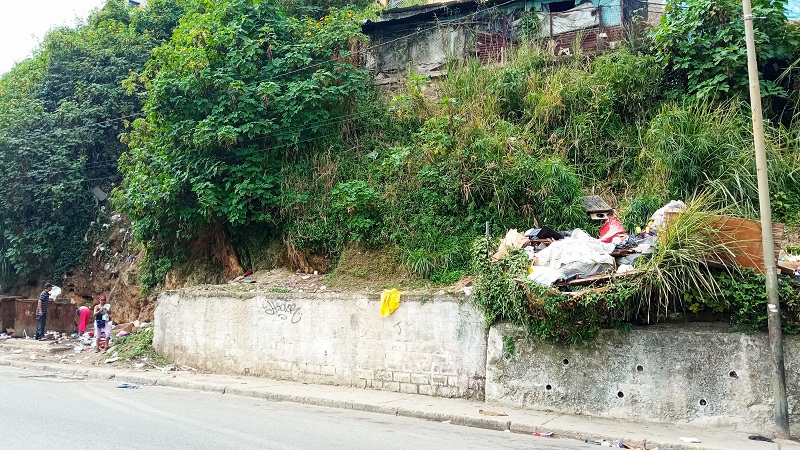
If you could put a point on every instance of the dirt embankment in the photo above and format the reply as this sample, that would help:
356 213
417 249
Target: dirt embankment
110 269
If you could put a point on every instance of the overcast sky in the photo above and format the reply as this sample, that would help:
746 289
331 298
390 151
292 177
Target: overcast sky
23 24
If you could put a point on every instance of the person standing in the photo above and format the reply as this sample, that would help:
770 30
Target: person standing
102 323
41 311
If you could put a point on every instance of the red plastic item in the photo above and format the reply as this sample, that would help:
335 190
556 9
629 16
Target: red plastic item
611 228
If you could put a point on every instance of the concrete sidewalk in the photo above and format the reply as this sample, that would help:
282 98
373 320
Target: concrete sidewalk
456 411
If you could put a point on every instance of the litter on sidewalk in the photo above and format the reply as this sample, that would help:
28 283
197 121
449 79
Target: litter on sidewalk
127 386
491 413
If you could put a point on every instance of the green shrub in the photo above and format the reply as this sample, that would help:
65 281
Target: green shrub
638 210
747 296
357 207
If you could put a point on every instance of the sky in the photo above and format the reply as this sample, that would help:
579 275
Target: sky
23 24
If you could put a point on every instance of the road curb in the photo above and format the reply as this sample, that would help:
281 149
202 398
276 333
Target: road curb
454 419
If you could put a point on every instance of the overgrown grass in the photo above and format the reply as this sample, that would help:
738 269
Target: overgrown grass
516 145
139 345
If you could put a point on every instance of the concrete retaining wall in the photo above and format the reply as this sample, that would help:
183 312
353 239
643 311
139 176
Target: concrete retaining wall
435 347
694 374
689 374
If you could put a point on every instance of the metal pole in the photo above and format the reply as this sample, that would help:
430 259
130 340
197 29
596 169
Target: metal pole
770 271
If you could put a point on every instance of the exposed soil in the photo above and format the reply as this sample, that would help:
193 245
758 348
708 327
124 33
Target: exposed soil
111 269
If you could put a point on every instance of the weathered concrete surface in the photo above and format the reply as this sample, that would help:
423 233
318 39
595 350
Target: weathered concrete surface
693 374
434 347
454 411
20 314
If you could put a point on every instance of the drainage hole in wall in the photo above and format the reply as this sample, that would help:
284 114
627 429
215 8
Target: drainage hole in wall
548 387
639 368
703 402
620 394
566 361
733 374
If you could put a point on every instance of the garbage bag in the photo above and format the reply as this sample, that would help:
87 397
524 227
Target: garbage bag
611 228
544 275
583 269
543 233
673 206
580 247
390 300
628 259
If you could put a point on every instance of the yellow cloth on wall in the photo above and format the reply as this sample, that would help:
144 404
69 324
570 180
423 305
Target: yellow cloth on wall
390 300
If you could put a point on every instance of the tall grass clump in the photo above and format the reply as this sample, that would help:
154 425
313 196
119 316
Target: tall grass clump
699 147
694 143
680 264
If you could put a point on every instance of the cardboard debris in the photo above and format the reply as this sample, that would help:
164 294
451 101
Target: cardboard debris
513 239
126 327
744 239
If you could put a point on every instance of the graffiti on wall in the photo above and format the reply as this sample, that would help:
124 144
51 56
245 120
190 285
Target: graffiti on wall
283 310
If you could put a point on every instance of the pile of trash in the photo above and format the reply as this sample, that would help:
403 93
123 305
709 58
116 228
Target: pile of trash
573 257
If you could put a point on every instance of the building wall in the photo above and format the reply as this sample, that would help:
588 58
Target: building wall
435 347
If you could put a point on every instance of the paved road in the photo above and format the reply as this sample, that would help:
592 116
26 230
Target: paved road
43 411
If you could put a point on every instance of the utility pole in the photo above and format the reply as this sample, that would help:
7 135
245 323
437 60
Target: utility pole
770 271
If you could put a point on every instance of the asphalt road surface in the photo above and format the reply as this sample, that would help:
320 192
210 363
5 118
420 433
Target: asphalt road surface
45 411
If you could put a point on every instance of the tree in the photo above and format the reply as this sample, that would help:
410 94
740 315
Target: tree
701 43
239 91
61 113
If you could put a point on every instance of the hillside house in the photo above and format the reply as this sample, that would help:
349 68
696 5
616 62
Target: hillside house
425 37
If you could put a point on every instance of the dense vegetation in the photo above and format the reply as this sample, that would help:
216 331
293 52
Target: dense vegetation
254 121
61 113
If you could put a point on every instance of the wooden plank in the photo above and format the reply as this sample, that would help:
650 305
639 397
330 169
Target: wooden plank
744 237
595 203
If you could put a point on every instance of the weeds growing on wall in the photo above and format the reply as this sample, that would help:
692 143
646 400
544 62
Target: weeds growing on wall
503 293
745 298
